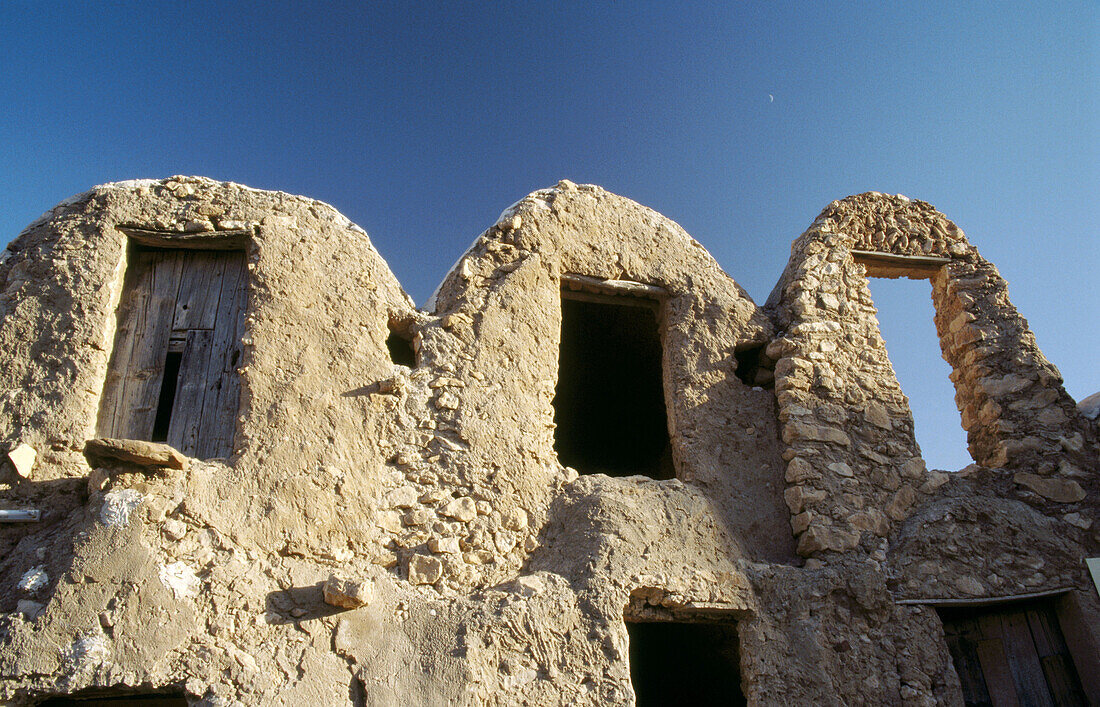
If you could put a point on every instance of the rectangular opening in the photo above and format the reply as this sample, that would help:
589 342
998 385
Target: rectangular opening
1011 654
609 405
906 322
173 372
167 397
676 663
400 347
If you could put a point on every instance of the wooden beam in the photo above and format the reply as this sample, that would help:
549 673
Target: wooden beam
880 264
985 601
202 240
614 288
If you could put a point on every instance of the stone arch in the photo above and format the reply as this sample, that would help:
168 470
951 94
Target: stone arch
509 283
1013 405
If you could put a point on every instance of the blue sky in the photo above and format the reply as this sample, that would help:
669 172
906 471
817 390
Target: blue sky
421 122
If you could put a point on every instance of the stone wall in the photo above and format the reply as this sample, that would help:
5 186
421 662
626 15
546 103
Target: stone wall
389 534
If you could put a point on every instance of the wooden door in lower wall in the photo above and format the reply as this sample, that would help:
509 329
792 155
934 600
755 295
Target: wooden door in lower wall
1012 654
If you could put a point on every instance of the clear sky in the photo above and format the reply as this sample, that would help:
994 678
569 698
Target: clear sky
740 121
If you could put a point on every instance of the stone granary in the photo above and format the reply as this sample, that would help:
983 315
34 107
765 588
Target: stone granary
243 468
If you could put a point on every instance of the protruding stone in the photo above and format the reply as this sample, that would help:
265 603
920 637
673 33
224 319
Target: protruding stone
841 469
902 501
402 497
800 522
1057 490
1078 520
514 519
530 585
818 539
424 569
970 585
799 470
29 609
22 457
447 401
347 593
914 468
133 451
877 415
462 509
174 529
448 546
872 520
795 431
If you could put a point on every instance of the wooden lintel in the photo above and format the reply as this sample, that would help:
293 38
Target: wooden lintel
620 288
892 265
986 601
203 240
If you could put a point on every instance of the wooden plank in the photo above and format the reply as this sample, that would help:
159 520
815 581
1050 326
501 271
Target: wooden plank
200 287
184 430
889 265
998 677
1023 661
615 288
1061 677
204 240
983 601
222 404
964 653
149 322
1042 632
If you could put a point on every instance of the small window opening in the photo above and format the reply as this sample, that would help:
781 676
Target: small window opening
1011 654
674 663
401 349
753 367
609 405
167 398
905 318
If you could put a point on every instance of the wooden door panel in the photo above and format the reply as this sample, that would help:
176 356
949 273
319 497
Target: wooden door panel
197 297
220 408
1012 654
1023 661
191 390
200 289
129 406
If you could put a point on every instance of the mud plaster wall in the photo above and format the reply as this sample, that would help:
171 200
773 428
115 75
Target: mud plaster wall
499 576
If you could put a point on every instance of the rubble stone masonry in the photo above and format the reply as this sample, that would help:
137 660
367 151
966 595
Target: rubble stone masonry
390 534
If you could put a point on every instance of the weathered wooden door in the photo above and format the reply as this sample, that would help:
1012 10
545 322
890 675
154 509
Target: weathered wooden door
1012 655
173 373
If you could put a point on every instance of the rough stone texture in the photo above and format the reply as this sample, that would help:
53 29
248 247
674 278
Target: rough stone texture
134 451
346 593
804 513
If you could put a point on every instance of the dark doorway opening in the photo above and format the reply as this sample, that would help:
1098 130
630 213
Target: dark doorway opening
401 348
1011 654
685 663
609 406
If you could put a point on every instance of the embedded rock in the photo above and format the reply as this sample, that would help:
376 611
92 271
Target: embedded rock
132 451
